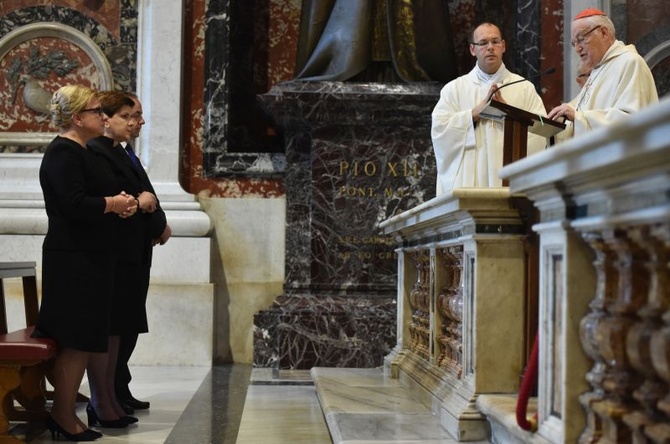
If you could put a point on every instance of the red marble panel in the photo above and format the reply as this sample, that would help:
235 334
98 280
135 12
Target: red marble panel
283 40
103 11
251 188
190 171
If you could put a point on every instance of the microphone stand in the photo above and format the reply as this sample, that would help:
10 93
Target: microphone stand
536 76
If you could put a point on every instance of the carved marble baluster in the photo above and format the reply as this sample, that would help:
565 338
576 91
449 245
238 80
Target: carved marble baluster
419 300
443 309
455 307
605 290
619 379
660 340
638 342
447 319
424 306
420 313
413 296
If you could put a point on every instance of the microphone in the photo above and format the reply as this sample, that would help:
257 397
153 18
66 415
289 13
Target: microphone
536 76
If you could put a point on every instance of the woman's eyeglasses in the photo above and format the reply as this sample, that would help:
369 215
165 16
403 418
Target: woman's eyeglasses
97 111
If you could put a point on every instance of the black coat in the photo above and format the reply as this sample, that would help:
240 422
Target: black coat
135 247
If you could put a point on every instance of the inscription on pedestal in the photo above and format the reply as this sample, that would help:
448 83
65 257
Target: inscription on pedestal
356 155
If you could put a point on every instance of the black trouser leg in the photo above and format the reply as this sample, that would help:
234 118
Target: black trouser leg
127 343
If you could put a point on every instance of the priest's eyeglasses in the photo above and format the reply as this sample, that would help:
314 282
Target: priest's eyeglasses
485 43
582 38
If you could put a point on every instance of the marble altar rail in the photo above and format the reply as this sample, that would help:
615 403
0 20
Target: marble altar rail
604 201
461 299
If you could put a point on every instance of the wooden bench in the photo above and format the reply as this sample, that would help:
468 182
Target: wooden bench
23 359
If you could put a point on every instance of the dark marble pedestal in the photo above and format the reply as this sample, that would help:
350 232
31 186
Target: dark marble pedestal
356 154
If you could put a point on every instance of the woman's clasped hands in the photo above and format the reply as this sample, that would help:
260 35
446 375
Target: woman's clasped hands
123 204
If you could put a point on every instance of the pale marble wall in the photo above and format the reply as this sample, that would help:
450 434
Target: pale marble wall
247 268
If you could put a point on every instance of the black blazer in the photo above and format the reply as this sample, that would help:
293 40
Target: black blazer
74 182
138 230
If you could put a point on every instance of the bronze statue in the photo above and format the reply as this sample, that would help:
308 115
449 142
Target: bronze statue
387 41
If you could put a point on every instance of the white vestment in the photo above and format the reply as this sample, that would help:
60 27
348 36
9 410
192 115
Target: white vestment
469 155
618 86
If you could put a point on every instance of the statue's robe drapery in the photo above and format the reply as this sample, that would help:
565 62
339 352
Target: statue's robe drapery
375 40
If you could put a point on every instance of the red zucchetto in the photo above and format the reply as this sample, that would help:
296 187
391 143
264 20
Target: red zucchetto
589 13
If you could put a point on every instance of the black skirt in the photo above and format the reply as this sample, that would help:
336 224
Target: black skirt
76 302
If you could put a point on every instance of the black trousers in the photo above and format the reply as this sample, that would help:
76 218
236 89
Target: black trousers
122 378
128 340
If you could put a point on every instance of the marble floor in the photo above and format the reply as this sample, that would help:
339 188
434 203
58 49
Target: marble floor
238 404
218 405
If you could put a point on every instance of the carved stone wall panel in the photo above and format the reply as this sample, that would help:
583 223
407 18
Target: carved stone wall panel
38 59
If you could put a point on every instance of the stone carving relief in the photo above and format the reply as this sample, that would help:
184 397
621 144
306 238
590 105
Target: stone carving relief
37 59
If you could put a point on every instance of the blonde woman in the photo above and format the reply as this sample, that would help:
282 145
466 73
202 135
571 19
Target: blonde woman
84 206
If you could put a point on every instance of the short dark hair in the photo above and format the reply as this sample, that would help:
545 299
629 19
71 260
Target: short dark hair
112 101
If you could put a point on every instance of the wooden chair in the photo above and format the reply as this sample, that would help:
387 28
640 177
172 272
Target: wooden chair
23 359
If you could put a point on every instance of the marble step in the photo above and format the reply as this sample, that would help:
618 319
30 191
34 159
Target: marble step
365 406
500 411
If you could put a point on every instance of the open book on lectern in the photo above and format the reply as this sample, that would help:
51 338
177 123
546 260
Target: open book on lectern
537 124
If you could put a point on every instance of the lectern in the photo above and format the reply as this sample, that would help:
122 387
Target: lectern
517 124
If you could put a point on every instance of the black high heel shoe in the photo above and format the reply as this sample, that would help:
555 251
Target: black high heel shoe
56 430
95 421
